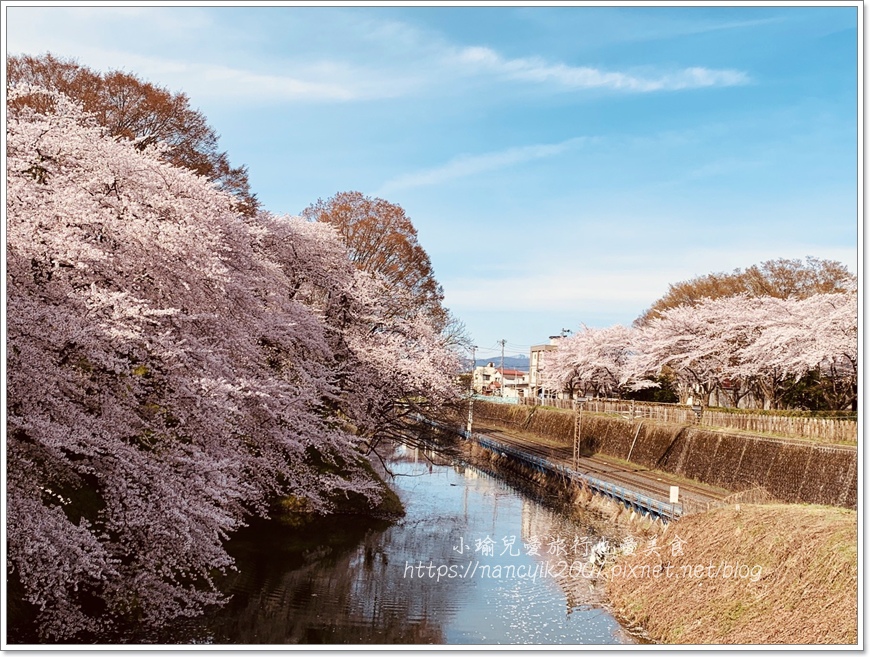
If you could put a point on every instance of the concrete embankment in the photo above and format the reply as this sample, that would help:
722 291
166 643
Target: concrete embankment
788 470
745 574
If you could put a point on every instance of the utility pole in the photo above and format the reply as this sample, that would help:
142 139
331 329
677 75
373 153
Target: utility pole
471 396
502 342
578 417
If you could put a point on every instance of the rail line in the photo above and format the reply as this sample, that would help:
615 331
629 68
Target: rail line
638 501
694 496
639 488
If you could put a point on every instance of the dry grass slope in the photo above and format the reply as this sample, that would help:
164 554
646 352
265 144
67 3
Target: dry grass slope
805 590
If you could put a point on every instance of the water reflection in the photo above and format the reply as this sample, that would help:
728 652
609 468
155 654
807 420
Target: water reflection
427 579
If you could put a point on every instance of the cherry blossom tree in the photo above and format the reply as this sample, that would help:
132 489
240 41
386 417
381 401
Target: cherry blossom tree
591 361
704 346
173 367
389 365
734 346
131 108
816 338
759 345
407 334
410 354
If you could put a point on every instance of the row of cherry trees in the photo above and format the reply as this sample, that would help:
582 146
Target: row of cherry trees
758 349
174 366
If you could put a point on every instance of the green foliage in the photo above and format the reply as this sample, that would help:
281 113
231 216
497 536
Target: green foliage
663 394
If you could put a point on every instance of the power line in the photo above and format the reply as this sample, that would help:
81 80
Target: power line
508 352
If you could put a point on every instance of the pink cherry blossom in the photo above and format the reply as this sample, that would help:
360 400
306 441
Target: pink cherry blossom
172 368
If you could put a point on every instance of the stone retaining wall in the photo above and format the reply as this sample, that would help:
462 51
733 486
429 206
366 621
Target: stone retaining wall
790 471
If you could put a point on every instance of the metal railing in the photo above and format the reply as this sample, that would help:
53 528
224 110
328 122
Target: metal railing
635 500
496 400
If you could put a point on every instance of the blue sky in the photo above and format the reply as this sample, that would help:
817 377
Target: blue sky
562 165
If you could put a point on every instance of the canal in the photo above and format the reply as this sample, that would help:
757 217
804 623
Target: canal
475 560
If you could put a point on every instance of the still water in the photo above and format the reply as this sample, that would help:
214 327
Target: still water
468 564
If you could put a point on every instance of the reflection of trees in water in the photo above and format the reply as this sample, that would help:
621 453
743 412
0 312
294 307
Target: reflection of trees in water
341 581
548 515
340 603
557 533
418 452
345 592
332 581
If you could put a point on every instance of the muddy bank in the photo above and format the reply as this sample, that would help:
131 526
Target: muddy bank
790 471
746 574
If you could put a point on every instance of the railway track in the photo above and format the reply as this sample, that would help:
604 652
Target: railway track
652 483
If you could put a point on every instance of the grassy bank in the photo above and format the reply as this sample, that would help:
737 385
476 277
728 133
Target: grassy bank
747 574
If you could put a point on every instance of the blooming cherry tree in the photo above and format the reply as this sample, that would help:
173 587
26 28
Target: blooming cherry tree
591 361
731 347
797 338
744 344
173 366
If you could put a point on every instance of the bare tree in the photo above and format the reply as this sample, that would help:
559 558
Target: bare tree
382 241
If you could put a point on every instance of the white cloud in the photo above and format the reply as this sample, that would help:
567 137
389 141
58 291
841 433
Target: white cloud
355 59
535 69
468 165
227 82
185 48
319 82
565 283
554 291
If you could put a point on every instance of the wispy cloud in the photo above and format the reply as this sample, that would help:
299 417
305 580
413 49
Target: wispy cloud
227 66
468 165
556 291
240 83
349 58
316 82
535 69
669 28
610 26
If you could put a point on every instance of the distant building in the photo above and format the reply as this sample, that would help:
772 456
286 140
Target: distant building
490 380
536 384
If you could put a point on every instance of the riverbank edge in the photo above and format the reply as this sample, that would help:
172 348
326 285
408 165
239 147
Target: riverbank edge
293 510
607 518
750 574
807 554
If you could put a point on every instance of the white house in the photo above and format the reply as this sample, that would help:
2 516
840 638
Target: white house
498 382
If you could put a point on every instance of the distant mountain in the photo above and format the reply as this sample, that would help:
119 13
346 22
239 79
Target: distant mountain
510 362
